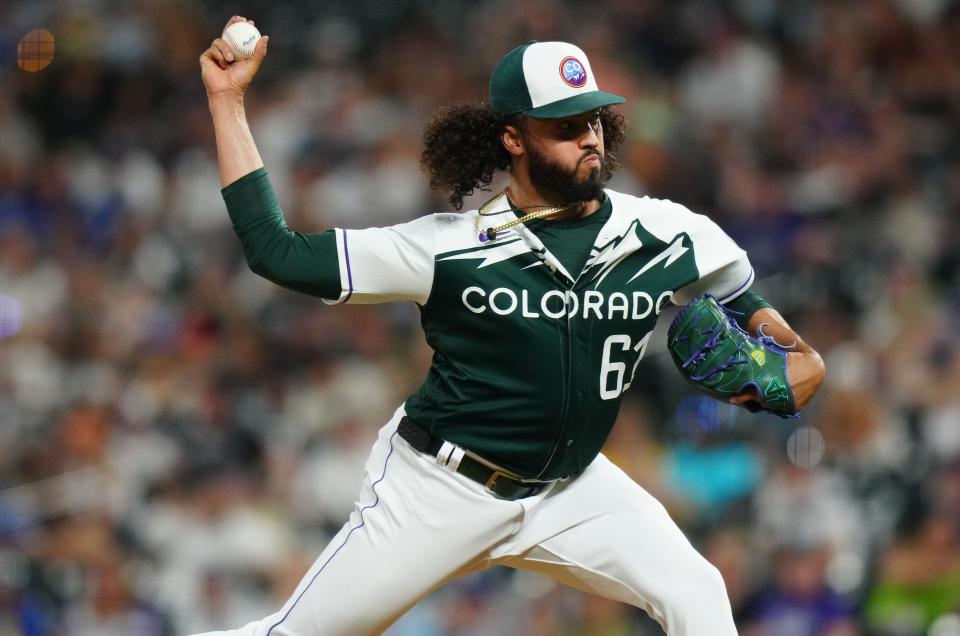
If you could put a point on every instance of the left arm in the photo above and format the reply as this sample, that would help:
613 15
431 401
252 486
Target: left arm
725 272
805 368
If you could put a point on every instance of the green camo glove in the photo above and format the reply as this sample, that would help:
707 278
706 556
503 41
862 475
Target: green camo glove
719 358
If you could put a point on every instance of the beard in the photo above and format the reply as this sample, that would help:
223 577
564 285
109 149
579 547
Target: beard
564 185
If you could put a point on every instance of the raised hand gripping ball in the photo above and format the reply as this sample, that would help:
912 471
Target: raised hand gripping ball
242 38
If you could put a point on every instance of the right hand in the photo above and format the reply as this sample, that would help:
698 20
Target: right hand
222 74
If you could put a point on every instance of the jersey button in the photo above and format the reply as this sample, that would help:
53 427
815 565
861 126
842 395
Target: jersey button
569 442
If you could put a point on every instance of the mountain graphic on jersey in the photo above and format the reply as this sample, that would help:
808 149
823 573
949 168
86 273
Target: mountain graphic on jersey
609 257
629 278
621 254
489 254
639 261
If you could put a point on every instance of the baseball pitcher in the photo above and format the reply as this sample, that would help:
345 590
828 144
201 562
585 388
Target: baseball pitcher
539 307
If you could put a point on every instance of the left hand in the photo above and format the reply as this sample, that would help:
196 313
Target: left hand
805 371
805 368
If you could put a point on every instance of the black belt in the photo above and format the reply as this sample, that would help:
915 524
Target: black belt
494 480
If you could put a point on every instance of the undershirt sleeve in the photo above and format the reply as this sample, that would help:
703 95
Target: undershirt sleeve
747 304
305 263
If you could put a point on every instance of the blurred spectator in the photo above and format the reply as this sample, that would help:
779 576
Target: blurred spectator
112 609
812 506
707 467
919 577
799 602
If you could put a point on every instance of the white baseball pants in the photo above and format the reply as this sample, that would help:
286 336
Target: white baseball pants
417 525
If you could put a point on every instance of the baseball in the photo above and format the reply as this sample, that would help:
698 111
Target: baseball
242 38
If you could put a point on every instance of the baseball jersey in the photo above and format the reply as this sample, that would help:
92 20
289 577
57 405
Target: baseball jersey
530 360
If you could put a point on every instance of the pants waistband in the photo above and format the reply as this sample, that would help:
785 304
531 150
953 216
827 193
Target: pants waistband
496 480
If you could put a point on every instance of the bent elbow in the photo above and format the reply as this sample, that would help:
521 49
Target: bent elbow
261 267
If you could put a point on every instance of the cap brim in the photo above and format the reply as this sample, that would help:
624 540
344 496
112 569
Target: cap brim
574 105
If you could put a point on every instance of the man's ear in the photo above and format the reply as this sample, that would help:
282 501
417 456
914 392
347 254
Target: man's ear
512 139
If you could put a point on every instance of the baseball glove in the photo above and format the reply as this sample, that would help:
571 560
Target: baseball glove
719 358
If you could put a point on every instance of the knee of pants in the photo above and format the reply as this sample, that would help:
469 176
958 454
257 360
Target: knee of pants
710 583
700 591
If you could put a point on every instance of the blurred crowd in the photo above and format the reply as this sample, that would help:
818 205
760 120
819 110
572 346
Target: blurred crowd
179 439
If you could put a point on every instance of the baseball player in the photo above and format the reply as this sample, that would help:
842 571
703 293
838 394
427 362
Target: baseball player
539 306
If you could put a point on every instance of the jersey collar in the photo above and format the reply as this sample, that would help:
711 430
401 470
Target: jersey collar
603 248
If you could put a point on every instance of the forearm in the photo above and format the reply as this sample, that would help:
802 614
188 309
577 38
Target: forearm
753 312
804 365
746 305
303 262
237 153
776 326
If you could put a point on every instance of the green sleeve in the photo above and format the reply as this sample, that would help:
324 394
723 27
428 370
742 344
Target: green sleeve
302 262
748 303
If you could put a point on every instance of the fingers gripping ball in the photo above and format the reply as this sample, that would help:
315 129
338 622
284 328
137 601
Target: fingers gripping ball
242 38
719 358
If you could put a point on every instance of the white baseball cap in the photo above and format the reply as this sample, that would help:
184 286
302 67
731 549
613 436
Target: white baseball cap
546 80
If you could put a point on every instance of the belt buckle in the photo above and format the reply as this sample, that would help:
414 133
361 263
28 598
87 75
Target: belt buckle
492 480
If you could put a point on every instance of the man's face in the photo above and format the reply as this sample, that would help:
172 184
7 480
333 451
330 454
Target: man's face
565 157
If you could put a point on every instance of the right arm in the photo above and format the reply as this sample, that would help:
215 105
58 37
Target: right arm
302 262
362 266
226 81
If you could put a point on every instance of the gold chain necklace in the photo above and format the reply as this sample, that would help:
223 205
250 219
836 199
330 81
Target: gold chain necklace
491 232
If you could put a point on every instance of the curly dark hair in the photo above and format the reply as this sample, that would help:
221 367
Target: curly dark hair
462 148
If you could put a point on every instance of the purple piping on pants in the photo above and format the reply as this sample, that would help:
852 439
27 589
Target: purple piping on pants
346 538
346 257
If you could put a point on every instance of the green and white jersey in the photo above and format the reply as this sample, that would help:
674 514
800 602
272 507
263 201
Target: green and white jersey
530 361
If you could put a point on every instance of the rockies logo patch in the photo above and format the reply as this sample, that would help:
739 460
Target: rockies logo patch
573 72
